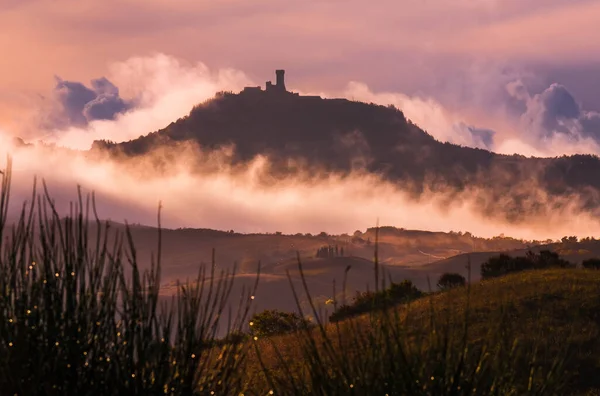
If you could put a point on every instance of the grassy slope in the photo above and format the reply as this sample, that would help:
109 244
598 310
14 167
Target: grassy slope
541 305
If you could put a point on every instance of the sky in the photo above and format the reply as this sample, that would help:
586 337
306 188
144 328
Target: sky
511 76
461 54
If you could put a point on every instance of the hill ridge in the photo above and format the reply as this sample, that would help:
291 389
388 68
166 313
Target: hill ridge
338 135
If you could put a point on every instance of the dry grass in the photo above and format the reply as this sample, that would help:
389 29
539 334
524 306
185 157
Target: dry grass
552 310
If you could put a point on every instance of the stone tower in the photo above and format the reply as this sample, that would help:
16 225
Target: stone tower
280 80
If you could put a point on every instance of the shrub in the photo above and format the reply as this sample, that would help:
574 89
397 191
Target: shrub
593 263
547 259
450 281
273 322
397 293
504 264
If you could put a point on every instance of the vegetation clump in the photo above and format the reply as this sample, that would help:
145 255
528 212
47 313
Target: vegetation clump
593 263
274 322
363 302
330 251
504 264
451 280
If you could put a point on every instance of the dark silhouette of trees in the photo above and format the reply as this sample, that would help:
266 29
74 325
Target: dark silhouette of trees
451 280
273 322
593 263
322 252
396 293
329 251
547 259
504 264
567 239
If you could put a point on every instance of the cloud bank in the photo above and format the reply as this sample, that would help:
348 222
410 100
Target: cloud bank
223 196
514 121
555 113
79 105
429 114
226 197
160 88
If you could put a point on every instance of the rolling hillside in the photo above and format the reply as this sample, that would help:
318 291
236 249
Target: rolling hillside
404 254
564 303
342 135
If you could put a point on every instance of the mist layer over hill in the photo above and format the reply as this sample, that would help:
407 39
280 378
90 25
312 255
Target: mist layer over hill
313 138
259 163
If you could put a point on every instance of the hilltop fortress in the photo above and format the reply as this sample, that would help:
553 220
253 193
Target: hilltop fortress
278 88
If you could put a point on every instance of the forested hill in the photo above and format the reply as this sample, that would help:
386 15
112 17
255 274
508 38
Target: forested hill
338 134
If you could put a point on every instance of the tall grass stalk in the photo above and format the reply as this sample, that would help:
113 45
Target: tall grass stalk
79 317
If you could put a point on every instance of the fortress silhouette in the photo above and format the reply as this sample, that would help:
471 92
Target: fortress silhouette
278 88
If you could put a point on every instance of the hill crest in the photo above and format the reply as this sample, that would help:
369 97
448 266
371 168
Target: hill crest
299 133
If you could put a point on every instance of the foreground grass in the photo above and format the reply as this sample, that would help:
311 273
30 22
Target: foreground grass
534 332
78 317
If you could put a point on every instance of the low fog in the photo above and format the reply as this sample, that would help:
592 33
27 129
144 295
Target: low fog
154 91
